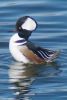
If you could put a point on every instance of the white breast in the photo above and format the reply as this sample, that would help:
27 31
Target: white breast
14 50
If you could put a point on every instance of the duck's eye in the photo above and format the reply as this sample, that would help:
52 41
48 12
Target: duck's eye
19 27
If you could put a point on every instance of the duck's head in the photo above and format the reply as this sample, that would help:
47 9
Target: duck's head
25 26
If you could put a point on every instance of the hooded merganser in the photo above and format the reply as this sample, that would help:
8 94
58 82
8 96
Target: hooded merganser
23 50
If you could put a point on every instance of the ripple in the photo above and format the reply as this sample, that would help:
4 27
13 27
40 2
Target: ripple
27 81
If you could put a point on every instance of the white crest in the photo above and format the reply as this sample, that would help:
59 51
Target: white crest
29 24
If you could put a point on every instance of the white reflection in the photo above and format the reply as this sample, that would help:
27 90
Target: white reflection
21 76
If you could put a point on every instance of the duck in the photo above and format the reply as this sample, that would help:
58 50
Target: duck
23 50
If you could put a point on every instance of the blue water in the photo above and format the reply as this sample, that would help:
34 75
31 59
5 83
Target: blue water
34 82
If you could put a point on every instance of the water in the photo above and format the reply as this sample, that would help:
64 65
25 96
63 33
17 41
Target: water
34 82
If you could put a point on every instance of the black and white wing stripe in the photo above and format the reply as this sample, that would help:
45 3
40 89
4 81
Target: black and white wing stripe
40 52
43 54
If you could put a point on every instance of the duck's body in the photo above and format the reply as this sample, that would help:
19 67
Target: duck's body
24 51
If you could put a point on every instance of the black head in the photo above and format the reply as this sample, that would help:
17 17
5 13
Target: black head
25 26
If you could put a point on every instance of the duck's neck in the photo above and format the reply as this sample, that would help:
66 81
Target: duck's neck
19 40
25 34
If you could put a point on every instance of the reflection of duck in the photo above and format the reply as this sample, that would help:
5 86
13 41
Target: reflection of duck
23 50
23 75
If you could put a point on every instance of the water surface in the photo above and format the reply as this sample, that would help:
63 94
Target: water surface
34 82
